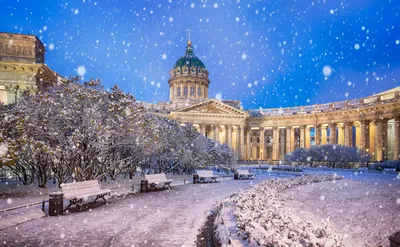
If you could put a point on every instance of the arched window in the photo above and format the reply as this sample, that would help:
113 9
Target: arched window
178 91
192 91
199 91
185 91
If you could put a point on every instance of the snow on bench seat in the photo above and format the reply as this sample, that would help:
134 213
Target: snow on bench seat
203 175
244 174
155 179
76 192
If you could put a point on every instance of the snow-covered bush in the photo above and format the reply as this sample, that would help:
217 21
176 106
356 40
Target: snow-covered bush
330 155
263 220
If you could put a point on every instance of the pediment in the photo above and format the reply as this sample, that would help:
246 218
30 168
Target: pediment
213 107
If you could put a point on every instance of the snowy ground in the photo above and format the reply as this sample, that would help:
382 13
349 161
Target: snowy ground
173 217
363 208
164 218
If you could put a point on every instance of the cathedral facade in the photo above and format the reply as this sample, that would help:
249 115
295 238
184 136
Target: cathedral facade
371 124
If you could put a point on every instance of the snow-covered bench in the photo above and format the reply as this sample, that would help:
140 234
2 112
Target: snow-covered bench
244 174
78 191
155 179
203 175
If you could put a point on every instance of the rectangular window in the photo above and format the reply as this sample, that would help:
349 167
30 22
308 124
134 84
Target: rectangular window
185 91
199 91
178 93
192 91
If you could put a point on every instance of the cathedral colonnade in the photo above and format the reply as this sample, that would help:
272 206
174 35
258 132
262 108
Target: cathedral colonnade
380 139
372 125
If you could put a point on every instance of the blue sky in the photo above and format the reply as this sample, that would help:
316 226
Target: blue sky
265 53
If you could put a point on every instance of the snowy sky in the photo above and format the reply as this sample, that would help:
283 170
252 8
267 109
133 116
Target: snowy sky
265 53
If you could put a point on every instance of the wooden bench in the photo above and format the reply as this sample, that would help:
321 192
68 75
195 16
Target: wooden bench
244 174
203 175
78 191
155 179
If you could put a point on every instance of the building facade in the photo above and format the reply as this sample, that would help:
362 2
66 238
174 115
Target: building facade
371 124
22 66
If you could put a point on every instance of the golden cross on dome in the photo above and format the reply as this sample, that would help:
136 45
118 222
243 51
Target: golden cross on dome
188 30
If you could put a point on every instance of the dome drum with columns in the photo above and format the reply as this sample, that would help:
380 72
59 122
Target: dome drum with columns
188 78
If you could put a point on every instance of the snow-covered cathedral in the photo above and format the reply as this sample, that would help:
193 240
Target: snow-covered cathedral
372 124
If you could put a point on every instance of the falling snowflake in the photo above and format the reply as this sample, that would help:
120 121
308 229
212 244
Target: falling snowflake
327 70
81 71
192 5
237 19
356 46
164 56
9 201
244 56
51 46
218 96
215 5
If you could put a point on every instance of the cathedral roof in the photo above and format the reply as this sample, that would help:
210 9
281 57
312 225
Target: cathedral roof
189 59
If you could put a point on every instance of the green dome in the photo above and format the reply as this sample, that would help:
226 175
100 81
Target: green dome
189 59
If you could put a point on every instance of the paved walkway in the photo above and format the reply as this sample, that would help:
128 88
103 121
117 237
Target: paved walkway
163 218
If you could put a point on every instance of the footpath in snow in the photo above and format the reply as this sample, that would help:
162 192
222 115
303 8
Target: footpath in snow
162 218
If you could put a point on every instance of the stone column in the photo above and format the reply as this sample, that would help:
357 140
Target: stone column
275 143
288 139
372 138
171 92
324 135
396 139
348 134
229 135
241 142
224 131
302 136
293 141
307 137
282 138
358 135
332 134
341 134
364 136
379 140
248 144
262 143
317 134
203 129
216 132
